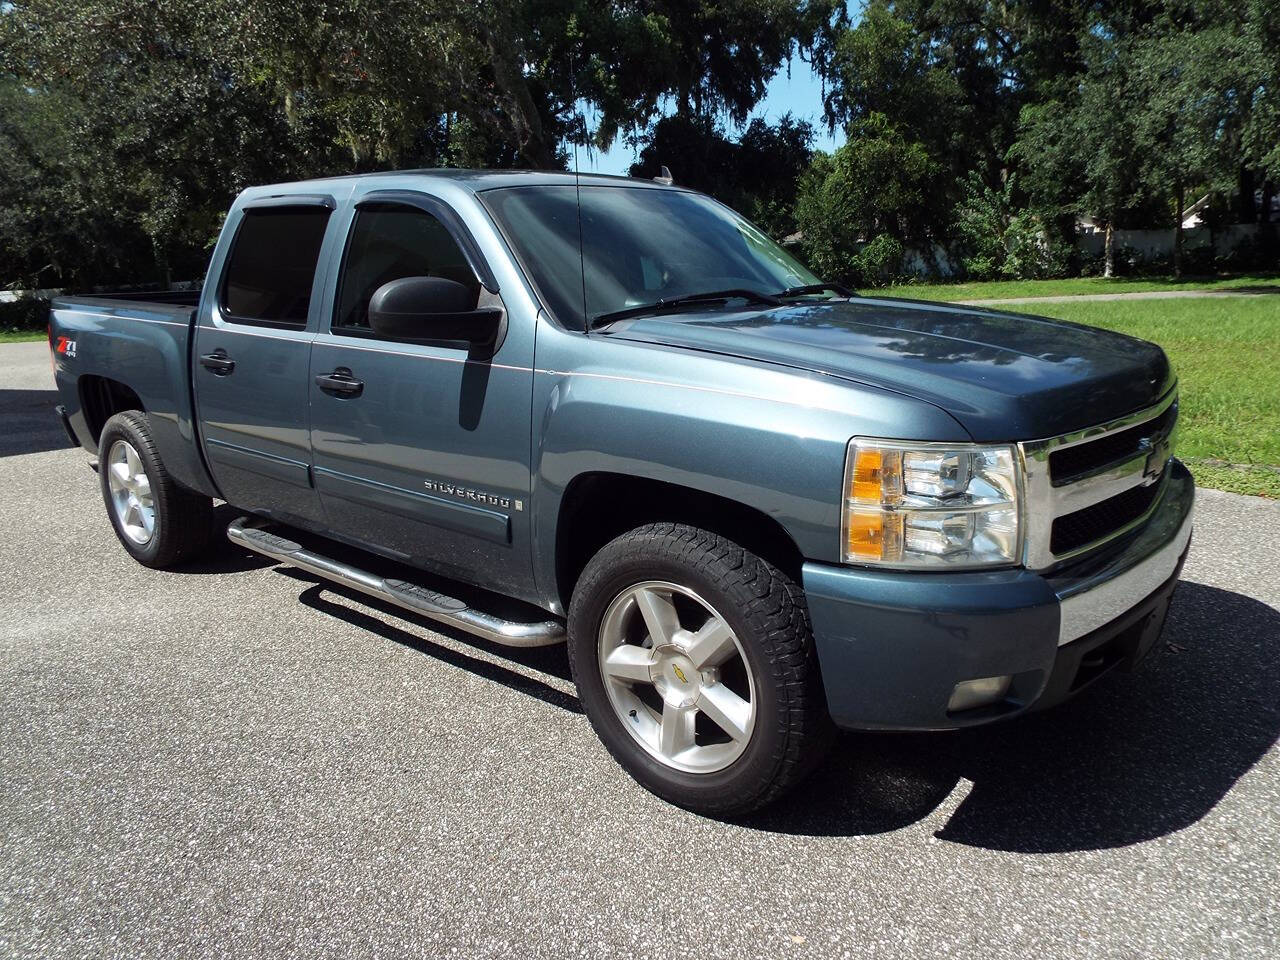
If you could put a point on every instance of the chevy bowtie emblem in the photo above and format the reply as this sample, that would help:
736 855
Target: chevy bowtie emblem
679 673
1156 460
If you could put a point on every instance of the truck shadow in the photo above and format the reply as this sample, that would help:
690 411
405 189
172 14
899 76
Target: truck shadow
1133 758
549 660
223 556
29 424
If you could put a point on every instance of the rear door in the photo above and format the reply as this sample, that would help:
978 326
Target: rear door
253 353
427 459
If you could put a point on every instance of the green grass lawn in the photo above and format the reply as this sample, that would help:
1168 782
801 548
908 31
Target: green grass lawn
1227 355
21 336
1000 289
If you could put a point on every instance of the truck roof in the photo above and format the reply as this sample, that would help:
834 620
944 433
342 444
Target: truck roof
473 180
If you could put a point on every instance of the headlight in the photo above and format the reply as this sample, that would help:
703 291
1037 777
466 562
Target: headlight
930 505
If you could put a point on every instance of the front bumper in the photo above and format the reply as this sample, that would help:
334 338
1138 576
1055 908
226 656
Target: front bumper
893 645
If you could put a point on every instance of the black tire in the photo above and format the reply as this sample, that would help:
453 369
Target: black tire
767 612
183 518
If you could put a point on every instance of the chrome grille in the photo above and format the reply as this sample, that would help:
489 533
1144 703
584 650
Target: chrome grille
1069 464
1091 524
1091 486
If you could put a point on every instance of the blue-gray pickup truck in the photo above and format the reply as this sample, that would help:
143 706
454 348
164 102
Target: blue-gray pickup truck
542 408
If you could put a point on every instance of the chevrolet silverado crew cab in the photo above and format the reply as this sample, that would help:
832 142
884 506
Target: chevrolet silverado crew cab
542 408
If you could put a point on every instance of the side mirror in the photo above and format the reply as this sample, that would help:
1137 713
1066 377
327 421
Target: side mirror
433 310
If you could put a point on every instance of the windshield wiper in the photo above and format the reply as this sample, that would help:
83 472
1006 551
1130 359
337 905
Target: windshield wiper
674 303
837 288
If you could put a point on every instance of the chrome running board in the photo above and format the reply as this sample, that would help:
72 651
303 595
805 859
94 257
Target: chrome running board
256 535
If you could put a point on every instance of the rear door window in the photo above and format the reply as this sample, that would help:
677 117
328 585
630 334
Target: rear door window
272 266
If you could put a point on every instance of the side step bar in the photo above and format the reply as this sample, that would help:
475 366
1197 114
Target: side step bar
256 535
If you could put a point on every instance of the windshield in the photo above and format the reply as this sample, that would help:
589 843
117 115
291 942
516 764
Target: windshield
641 245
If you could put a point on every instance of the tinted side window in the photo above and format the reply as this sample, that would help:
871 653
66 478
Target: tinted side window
542 224
272 264
388 242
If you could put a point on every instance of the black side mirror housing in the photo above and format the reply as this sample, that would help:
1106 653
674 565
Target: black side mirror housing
433 310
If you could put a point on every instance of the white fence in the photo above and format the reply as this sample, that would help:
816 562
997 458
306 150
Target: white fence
1158 244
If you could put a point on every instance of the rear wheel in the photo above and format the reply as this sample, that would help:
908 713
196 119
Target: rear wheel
160 523
694 661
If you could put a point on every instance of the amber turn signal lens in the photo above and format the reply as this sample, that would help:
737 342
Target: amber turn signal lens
868 467
874 475
872 535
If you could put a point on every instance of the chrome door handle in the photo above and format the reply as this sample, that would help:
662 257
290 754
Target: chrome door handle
340 383
218 362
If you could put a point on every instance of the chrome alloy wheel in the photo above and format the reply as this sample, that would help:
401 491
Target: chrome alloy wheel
130 493
677 677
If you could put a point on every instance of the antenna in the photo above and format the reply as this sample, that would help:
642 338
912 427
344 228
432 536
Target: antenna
577 193
664 176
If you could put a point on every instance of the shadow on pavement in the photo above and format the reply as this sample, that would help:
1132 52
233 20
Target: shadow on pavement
549 660
223 556
30 425
1133 758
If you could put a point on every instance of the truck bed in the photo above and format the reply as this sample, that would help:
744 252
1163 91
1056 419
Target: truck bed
177 298
138 344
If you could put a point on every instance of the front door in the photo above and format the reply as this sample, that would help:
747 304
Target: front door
252 359
421 452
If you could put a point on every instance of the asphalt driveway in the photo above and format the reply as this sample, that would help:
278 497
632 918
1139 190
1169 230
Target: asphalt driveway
236 760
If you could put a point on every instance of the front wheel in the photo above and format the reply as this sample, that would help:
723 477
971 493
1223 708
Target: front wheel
694 661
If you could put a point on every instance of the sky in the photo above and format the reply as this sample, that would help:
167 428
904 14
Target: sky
798 91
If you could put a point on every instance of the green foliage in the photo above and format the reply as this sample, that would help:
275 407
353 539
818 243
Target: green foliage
860 209
126 127
1081 153
516 71
979 128
998 240
122 144
757 175
889 84
1170 100
24 315
885 67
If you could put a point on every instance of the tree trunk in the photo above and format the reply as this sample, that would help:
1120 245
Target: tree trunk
1109 251
522 112
1180 196
1245 209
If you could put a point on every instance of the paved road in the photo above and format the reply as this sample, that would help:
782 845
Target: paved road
1144 295
233 760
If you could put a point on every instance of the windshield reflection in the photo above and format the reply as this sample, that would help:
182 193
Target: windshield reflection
632 245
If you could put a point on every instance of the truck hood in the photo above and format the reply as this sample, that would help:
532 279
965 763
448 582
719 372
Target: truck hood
1003 376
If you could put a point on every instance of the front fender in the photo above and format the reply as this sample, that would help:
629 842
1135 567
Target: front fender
772 438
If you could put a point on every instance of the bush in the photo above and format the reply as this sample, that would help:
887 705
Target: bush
859 209
997 243
24 314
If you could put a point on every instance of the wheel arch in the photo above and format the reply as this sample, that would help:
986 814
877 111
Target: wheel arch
101 398
598 506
